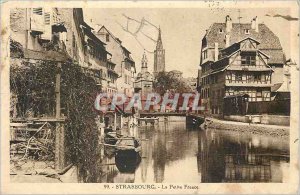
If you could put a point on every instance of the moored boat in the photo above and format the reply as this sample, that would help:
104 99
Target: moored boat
128 147
112 137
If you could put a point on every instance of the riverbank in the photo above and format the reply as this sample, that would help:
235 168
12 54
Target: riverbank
34 171
261 129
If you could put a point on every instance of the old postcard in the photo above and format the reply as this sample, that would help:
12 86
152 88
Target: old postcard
149 97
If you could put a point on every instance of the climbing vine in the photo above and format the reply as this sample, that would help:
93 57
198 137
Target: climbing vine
33 84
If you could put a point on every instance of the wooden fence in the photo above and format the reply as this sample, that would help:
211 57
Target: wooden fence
279 107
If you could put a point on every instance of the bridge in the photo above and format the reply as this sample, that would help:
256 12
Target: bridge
191 119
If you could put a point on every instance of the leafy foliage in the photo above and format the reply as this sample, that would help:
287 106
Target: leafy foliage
165 82
34 86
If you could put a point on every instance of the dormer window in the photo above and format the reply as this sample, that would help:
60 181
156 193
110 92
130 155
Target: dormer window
204 54
247 32
220 30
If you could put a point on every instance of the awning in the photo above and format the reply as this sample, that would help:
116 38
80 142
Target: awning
59 28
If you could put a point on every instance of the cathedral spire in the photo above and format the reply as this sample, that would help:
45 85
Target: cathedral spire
159 55
159 44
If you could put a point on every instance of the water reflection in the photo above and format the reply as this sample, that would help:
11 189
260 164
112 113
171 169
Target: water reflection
232 157
171 153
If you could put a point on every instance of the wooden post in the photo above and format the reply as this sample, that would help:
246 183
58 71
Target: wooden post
59 131
121 125
57 90
115 121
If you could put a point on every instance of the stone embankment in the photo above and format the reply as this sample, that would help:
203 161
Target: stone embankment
261 129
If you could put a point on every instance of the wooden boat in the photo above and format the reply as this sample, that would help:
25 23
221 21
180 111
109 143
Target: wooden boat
127 147
127 164
194 121
112 137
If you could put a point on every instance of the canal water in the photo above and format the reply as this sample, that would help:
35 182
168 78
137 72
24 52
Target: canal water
171 153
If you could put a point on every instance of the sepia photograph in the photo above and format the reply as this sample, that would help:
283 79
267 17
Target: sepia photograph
151 98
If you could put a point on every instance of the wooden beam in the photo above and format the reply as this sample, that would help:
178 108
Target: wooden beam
59 130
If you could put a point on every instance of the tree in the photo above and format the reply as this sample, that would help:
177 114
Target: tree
165 82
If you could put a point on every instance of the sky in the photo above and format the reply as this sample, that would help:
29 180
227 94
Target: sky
182 30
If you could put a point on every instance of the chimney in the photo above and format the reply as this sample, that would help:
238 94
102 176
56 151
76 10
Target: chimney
256 24
253 23
227 41
216 52
228 22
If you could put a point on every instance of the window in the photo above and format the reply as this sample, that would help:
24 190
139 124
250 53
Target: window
205 54
247 32
257 77
107 37
250 78
263 78
204 43
220 30
238 77
266 95
248 60
258 94
216 78
73 40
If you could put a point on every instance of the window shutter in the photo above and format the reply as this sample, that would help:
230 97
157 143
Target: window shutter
37 11
37 20
47 27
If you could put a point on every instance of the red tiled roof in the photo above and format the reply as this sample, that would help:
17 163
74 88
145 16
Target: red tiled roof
269 42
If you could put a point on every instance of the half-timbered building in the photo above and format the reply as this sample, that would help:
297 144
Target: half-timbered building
238 59
241 69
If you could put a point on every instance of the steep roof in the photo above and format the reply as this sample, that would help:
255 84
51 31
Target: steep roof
93 37
269 42
112 35
125 49
117 40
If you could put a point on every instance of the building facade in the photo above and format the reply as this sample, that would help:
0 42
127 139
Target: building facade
122 60
60 34
159 56
238 59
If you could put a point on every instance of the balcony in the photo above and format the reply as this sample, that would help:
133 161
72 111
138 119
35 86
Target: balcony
112 72
249 67
248 49
244 83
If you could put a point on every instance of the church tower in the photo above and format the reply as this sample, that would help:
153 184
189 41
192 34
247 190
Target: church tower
159 56
143 83
144 64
